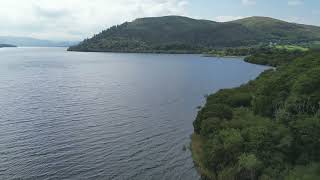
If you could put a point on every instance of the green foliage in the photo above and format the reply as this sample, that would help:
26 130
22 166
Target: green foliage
273 56
291 48
176 34
231 139
210 126
306 133
309 82
308 172
248 166
274 130
233 97
220 111
239 51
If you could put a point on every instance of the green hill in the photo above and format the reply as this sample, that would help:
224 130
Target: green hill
182 34
273 29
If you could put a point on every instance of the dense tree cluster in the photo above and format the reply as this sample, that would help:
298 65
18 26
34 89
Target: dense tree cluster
273 56
268 128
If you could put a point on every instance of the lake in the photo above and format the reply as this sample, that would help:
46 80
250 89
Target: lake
74 115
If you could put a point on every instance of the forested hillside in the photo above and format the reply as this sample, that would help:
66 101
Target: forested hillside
185 35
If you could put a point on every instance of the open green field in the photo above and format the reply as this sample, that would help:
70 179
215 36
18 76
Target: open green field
291 48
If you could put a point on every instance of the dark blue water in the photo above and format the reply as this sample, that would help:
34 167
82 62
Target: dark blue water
71 115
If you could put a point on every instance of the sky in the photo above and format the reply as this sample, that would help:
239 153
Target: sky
78 19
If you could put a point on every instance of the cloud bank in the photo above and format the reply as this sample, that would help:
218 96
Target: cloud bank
295 2
227 18
248 2
77 19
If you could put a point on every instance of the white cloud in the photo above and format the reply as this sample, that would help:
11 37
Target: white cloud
77 19
248 2
293 19
295 2
227 18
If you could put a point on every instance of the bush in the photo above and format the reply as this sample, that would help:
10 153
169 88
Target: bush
210 126
307 139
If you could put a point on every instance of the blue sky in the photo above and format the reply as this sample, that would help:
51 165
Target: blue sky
301 11
79 19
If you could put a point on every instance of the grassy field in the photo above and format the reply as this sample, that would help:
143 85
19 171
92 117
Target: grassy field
291 47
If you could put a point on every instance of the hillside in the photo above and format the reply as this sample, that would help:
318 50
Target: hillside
182 34
275 30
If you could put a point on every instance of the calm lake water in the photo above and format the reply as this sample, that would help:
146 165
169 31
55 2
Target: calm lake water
73 115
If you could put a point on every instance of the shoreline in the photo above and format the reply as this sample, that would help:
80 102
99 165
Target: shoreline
232 116
144 51
196 151
217 56
158 52
197 141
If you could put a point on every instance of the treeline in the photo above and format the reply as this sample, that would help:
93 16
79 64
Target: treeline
273 56
241 51
266 129
134 46
258 54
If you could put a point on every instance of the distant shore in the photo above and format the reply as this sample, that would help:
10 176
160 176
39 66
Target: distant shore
217 56
6 45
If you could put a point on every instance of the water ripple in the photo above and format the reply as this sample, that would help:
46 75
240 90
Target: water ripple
68 115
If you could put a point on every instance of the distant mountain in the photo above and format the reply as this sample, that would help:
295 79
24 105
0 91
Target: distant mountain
26 41
277 30
6 45
183 34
